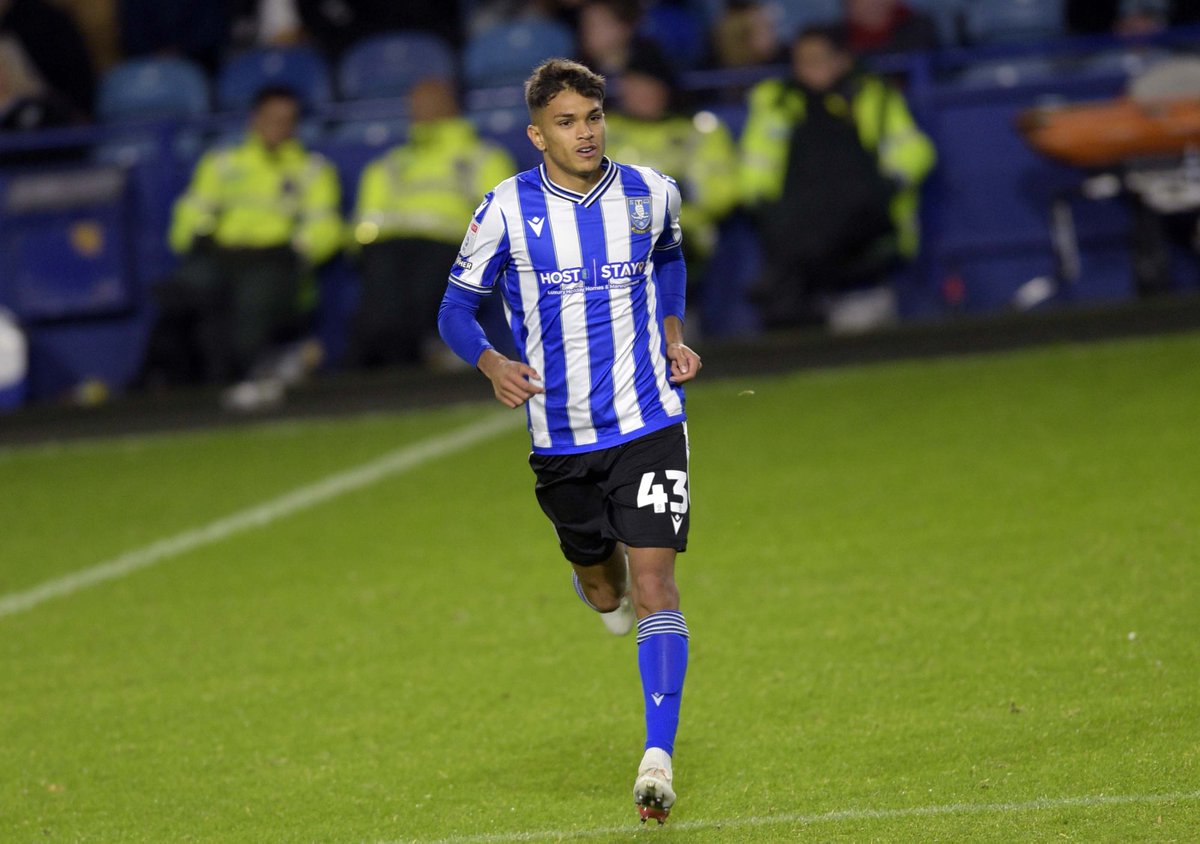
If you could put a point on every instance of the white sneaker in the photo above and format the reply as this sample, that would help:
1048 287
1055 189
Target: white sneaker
652 791
621 620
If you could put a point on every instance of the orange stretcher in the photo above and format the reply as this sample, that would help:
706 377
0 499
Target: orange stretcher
1109 133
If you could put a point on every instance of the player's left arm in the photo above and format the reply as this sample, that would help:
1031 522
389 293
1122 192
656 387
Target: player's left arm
670 271
685 363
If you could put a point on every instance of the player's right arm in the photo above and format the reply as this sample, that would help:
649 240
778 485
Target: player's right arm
481 260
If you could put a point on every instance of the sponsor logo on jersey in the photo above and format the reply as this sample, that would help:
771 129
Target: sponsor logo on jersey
639 214
600 277
536 224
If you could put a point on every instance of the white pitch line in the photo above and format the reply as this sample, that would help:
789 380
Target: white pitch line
396 462
840 815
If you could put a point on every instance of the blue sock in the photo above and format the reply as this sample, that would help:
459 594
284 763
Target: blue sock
662 659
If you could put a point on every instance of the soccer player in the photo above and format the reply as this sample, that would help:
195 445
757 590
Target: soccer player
585 253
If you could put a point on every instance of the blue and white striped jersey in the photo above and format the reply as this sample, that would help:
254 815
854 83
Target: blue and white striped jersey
578 280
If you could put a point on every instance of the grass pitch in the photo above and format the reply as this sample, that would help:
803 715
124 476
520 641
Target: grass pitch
937 601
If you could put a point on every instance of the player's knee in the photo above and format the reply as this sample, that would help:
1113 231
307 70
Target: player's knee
655 591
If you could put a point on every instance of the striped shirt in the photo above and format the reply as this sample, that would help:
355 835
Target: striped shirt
577 276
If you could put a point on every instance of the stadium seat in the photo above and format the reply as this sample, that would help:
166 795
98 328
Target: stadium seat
299 68
999 21
679 31
947 14
505 54
143 89
794 15
388 65
506 127
378 133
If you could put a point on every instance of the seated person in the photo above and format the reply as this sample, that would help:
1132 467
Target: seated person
408 224
832 162
253 224
888 26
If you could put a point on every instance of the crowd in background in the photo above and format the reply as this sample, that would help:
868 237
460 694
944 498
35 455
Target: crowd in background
828 166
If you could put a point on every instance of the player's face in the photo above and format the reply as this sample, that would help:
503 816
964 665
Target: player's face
570 133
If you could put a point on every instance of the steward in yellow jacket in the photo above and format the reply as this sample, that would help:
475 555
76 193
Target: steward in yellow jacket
253 223
697 152
407 224
832 163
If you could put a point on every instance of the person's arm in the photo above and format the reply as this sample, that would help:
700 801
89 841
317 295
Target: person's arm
319 234
670 273
481 260
512 381
196 213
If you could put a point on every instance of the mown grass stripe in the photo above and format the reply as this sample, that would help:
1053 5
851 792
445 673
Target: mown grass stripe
397 462
836 816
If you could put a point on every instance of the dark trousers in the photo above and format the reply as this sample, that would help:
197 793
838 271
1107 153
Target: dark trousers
220 311
403 280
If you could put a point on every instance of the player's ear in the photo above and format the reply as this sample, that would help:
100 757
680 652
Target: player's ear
535 137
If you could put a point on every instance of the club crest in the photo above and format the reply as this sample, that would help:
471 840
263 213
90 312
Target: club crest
639 214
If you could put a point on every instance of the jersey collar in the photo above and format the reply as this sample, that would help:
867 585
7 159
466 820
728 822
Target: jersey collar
584 199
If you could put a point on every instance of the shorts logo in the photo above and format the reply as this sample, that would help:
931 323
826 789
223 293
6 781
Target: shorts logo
639 214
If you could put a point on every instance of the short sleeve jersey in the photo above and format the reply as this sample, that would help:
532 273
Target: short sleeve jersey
577 277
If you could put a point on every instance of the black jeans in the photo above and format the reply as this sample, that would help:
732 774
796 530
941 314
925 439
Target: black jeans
403 280
221 310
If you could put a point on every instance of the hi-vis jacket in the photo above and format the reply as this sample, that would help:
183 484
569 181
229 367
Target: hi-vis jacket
426 187
699 154
885 127
248 196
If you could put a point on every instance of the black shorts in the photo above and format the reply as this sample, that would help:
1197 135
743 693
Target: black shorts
635 493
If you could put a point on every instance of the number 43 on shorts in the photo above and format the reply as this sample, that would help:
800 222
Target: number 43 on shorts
651 494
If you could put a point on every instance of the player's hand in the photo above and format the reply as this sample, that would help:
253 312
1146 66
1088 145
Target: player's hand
685 363
513 382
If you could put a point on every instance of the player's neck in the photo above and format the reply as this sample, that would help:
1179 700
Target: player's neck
577 182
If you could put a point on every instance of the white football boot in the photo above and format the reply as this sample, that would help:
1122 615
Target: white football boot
652 791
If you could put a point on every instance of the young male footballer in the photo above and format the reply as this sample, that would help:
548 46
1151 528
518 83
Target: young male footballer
586 255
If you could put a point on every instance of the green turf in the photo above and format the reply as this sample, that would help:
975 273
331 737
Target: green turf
936 601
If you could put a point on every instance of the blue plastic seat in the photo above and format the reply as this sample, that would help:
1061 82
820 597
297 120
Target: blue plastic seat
505 54
388 65
300 68
679 31
150 88
999 21
796 15
505 125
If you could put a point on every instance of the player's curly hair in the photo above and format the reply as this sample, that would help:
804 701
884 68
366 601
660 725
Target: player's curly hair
554 76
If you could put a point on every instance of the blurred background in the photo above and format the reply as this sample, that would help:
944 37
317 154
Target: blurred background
850 167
